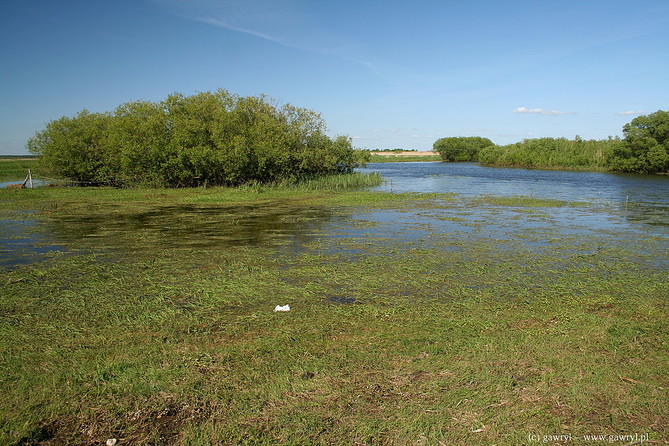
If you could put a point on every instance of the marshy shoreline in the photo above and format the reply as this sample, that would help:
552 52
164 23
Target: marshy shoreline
418 336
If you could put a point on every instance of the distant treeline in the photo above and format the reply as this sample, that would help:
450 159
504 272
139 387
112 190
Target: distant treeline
644 149
206 139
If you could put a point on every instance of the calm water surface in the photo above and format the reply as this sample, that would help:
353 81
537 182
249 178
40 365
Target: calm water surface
471 179
642 199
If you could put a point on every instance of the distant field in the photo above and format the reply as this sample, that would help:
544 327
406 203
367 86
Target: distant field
380 157
406 153
16 168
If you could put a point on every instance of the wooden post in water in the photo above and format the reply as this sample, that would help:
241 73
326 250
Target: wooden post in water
28 180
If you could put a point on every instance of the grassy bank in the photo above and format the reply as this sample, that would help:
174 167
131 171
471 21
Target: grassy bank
462 340
13 169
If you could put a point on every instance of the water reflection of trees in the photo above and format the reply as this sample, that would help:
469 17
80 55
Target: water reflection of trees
191 226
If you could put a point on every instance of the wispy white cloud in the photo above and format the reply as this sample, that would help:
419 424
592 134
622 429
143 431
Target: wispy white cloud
223 24
279 21
284 22
630 112
541 111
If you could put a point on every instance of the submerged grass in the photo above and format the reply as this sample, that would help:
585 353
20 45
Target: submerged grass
399 344
524 201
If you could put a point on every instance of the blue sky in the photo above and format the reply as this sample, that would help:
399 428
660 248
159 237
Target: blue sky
389 74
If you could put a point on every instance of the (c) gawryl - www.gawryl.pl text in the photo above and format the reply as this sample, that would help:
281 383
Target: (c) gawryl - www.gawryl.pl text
634 438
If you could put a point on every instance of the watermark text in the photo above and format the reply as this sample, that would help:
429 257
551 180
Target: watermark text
635 438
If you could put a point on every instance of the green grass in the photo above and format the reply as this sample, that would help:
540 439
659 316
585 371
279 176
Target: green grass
17 169
477 345
337 182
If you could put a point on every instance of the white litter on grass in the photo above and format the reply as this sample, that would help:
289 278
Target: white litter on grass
280 308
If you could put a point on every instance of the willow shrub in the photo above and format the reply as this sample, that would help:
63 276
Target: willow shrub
205 139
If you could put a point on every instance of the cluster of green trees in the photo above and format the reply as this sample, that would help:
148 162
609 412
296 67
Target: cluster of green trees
643 149
551 153
206 139
461 148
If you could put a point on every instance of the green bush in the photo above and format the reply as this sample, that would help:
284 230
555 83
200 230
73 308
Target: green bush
461 148
645 148
206 139
551 153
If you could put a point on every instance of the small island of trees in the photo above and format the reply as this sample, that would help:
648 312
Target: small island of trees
206 139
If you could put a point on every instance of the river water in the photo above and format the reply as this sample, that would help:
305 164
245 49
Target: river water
637 198
587 208
472 179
